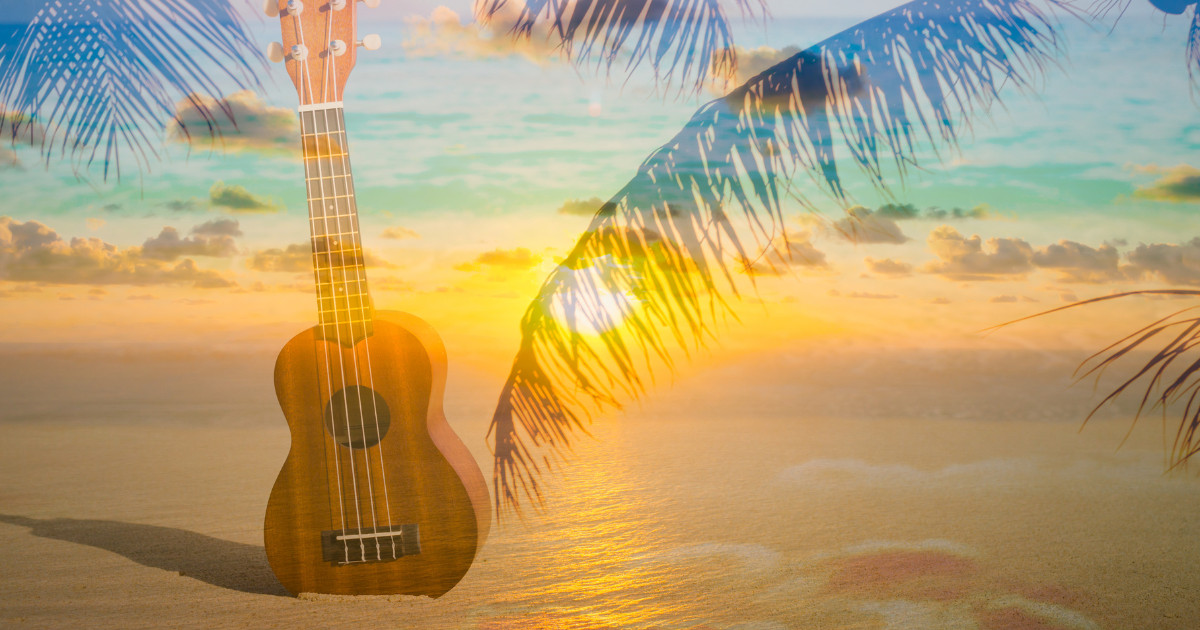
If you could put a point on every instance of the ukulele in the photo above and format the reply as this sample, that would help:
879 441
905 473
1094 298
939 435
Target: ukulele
377 495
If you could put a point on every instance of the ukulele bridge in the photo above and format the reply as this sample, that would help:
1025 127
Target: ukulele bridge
358 546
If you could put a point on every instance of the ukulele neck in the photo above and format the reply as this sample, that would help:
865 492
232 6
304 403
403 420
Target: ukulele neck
344 306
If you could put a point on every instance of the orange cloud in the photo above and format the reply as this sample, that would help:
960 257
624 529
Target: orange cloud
298 258
1076 262
444 33
1180 184
519 259
889 267
397 232
861 225
32 252
961 258
582 207
238 199
238 122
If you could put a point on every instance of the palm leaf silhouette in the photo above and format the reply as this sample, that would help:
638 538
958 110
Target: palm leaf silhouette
1193 48
647 281
1104 8
688 39
1170 377
92 80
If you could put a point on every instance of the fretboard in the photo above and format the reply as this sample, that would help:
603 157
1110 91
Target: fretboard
344 306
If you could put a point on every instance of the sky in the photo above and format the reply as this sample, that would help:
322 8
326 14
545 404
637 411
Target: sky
478 162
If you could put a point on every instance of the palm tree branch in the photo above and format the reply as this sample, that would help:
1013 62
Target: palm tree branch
656 263
690 39
1163 389
100 75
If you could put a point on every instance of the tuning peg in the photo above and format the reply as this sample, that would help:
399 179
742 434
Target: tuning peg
295 7
337 5
371 42
299 52
371 4
275 52
337 47
271 8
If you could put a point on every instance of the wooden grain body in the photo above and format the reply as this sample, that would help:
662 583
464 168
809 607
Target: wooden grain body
430 477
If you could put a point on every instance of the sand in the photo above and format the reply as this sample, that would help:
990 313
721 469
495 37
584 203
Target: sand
688 512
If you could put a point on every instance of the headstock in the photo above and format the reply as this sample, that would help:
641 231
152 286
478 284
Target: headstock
320 44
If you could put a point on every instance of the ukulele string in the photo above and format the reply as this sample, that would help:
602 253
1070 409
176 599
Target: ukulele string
360 273
321 314
340 219
359 259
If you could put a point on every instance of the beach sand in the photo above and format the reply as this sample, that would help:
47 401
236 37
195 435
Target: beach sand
754 508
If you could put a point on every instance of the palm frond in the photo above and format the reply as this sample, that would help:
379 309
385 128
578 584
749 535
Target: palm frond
1193 49
1169 379
101 76
1102 9
649 279
688 39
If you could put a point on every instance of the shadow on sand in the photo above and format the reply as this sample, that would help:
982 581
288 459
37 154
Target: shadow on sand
222 563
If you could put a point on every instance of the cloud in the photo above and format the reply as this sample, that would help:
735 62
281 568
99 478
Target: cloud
889 267
298 258
183 205
796 250
397 233
981 211
582 207
1180 184
965 259
861 295
750 62
1079 263
32 252
238 199
898 212
516 259
9 159
1003 299
238 122
169 246
443 33
865 226
218 227
17 130
907 211
1174 264
295 258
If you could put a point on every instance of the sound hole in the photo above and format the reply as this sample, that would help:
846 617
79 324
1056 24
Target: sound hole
357 417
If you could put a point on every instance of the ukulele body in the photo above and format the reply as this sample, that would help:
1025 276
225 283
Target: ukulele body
377 495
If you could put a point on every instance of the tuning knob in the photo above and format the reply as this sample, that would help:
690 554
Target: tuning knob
295 7
371 42
299 52
275 52
371 4
337 47
271 8
337 5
